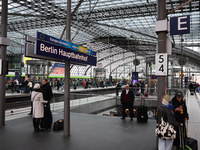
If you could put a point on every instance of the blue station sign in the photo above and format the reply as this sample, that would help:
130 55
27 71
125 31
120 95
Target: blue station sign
59 52
63 43
180 25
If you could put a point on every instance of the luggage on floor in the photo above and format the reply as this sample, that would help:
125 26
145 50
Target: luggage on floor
137 93
47 120
58 125
188 143
192 91
191 144
146 94
142 115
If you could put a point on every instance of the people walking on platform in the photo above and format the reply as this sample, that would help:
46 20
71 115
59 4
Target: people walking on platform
58 85
22 86
142 87
127 100
27 90
181 113
74 85
145 88
97 84
192 88
47 93
118 86
165 113
38 107
84 84
30 85
12 85
17 86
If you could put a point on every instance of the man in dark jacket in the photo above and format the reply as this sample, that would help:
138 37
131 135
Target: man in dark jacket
47 93
181 113
127 99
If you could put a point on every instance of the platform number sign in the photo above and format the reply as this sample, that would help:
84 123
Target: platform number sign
161 64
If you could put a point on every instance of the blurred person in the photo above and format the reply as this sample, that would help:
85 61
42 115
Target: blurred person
58 85
127 100
118 86
23 86
38 107
12 85
30 85
166 113
145 88
142 87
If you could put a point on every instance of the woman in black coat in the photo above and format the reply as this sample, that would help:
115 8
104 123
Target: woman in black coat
181 113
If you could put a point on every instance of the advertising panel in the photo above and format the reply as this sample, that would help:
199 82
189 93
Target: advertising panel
135 77
58 69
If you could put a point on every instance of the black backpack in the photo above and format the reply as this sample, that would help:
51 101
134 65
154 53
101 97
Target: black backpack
58 125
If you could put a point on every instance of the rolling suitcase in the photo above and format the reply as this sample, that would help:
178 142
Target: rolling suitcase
58 125
192 92
188 143
146 94
142 112
46 122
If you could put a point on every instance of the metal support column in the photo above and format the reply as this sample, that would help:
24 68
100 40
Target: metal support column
181 61
4 20
161 10
67 77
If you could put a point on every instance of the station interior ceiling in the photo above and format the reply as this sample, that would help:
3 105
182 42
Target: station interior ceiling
118 30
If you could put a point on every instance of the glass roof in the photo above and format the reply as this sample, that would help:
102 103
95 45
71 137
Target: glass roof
117 30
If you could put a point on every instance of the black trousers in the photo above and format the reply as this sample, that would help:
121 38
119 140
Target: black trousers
127 106
117 91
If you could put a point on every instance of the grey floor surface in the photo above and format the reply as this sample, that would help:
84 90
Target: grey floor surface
88 132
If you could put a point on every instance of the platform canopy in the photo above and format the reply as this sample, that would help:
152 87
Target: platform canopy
115 29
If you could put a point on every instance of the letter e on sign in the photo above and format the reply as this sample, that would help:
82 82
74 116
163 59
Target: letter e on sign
161 64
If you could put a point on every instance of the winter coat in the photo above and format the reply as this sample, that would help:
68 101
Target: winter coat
167 116
38 106
47 92
180 116
131 96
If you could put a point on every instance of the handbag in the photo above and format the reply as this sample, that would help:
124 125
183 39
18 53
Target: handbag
165 131
58 125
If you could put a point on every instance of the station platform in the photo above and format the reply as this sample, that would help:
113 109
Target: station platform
88 131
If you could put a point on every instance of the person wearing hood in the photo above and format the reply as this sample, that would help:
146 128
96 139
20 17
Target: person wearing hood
38 107
181 113
166 112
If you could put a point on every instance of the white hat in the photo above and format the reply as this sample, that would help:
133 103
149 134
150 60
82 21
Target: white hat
36 86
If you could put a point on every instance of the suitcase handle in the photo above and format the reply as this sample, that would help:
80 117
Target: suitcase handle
182 145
